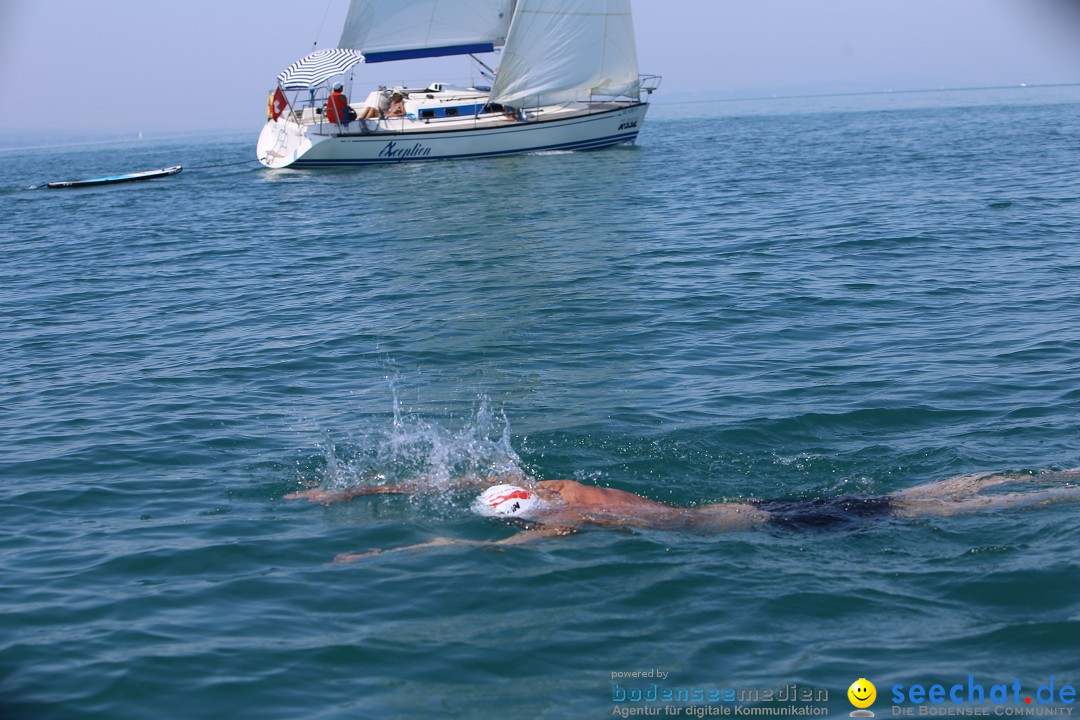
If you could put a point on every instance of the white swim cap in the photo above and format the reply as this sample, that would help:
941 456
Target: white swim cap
506 501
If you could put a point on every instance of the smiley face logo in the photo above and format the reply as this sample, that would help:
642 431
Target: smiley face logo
862 693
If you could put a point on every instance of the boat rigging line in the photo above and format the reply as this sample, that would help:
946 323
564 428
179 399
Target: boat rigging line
489 74
319 33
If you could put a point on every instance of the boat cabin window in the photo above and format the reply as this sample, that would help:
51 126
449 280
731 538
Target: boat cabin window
450 112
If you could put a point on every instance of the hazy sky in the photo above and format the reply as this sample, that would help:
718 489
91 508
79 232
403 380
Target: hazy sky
131 65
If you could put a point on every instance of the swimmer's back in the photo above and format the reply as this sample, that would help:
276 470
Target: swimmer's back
572 492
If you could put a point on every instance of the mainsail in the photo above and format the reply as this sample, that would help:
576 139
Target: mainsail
386 30
563 50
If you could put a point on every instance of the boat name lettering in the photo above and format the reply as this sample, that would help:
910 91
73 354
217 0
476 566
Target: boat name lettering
628 125
393 151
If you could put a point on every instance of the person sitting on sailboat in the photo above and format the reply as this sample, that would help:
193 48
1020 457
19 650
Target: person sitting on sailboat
397 103
338 109
378 102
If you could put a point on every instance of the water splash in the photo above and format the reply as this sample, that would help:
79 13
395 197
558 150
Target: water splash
423 451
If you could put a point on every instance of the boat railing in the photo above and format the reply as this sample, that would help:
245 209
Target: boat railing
311 110
648 84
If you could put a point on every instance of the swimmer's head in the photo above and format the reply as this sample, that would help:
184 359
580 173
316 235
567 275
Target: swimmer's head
506 501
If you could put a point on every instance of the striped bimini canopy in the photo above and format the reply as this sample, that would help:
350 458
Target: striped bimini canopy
318 67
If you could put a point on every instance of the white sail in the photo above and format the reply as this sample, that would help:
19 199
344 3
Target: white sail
563 50
403 29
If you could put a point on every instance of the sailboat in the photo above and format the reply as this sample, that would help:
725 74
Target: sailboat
568 80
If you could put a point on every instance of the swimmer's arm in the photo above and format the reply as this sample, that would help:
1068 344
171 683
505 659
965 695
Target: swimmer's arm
483 482
526 536
536 534
437 542
411 487
326 497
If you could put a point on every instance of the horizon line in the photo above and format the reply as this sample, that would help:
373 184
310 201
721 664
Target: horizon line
854 93
166 134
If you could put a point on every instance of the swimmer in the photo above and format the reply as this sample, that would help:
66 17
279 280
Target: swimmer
549 508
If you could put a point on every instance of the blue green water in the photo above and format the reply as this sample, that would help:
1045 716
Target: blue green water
777 298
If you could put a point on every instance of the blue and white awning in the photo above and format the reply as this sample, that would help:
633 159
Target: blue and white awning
318 67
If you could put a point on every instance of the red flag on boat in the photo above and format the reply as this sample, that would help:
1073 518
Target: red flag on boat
278 104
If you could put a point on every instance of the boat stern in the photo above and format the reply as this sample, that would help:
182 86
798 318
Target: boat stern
281 143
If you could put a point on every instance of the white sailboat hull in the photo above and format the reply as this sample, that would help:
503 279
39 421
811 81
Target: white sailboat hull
286 143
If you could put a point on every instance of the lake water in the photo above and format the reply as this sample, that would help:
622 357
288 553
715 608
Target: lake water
774 298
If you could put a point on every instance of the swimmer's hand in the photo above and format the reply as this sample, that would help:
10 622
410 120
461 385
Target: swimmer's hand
353 557
315 495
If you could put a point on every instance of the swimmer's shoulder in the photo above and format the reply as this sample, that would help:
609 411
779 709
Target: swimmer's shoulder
555 484
556 487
